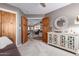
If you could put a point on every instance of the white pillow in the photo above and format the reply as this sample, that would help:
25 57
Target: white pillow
4 41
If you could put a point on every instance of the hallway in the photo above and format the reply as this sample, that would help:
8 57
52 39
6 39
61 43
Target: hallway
37 48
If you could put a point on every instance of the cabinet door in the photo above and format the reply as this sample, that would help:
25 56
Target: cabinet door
24 29
63 40
50 39
71 42
9 25
0 25
55 39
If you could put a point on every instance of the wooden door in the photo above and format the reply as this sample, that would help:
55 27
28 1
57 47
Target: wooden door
12 27
45 29
9 25
24 29
0 25
5 24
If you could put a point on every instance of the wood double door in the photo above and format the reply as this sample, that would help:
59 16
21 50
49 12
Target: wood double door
45 29
8 25
24 29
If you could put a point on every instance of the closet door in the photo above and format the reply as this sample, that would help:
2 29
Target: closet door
12 27
45 29
24 29
0 25
9 25
5 24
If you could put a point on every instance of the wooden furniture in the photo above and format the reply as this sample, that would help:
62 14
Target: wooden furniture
45 29
8 25
24 29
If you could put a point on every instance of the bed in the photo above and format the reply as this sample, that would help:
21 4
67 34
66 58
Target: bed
7 48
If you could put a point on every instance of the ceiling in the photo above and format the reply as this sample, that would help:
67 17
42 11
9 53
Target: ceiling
36 8
35 11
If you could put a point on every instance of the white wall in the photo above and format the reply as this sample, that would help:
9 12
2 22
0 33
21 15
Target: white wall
33 21
71 11
18 24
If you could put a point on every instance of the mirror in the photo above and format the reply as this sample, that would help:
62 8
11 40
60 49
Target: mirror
61 23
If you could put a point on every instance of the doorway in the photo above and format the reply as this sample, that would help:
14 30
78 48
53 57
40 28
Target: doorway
34 29
39 30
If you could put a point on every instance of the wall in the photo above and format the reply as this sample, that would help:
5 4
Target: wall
18 21
33 21
70 11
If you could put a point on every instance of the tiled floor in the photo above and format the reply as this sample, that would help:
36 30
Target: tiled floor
38 48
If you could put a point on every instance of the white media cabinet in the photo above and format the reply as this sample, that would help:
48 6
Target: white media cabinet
68 42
